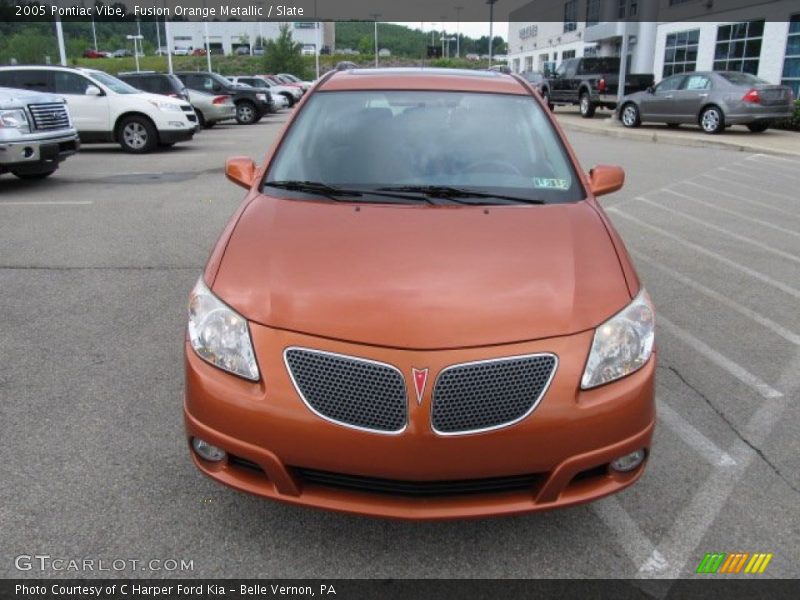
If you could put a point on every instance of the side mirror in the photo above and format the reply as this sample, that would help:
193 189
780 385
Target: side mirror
241 170
93 90
605 179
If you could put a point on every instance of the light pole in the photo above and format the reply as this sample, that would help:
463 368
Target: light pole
167 34
208 47
375 18
316 41
135 38
458 30
491 4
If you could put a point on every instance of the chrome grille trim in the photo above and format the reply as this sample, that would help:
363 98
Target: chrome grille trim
353 359
503 425
49 116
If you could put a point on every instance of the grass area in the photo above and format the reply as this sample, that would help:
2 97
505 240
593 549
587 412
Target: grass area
252 65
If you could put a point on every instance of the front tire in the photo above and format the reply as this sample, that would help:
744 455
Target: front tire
586 105
630 116
246 113
758 127
712 121
137 135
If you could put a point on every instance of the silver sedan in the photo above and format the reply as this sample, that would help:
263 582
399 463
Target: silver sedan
713 100
212 108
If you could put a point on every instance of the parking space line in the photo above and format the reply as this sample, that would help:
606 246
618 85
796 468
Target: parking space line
788 335
735 213
47 203
707 449
755 189
718 257
629 535
680 543
767 170
723 231
741 199
746 377
775 160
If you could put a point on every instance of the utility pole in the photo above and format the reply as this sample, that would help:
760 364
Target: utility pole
491 4
169 43
60 36
375 18
458 30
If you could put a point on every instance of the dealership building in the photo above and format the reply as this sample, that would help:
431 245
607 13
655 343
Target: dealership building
664 37
226 37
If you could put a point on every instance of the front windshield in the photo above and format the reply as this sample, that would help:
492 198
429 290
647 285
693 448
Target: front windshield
114 84
498 143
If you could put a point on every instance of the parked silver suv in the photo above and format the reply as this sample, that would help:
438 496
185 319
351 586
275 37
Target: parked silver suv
36 133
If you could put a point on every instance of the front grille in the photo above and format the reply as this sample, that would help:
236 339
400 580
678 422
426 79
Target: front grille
350 391
485 395
377 485
49 116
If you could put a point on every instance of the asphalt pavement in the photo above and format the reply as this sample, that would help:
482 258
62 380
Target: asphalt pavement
95 267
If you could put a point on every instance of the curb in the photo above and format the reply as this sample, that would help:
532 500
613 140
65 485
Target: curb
617 131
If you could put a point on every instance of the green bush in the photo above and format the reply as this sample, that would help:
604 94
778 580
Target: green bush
793 122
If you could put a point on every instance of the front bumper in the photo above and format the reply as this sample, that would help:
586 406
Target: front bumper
566 444
172 136
37 153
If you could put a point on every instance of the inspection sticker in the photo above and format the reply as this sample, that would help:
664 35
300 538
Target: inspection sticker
550 184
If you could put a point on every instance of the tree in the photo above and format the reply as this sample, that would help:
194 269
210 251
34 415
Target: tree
284 54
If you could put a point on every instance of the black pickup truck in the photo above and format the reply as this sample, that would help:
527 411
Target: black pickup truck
592 82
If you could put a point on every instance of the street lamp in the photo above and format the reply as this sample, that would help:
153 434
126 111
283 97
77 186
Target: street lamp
491 4
135 39
375 18
458 30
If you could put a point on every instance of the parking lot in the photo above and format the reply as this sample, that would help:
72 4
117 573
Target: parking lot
96 264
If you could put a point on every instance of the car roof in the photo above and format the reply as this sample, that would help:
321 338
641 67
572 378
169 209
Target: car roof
464 80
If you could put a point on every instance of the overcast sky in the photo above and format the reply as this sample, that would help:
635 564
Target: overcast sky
472 29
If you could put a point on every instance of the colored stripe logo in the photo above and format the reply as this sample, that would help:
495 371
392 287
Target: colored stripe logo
734 563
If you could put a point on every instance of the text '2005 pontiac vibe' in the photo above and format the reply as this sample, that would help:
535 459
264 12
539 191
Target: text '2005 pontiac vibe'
420 310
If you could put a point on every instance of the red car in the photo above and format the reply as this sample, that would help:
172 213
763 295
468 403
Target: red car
199 52
94 54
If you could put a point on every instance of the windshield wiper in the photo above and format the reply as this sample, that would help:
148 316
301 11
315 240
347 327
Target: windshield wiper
458 194
339 194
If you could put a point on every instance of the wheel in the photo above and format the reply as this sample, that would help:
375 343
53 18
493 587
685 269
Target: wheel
758 127
711 120
546 99
246 113
673 125
200 118
137 135
34 174
587 106
630 115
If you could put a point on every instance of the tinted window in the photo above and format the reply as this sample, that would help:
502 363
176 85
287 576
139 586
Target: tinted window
112 83
499 143
70 83
670 84
39 80
742 78
599 65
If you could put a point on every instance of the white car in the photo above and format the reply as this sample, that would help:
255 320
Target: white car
279 101
290 93
105 109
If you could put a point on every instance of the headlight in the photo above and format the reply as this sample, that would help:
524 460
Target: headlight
14 119
219 335
622 344
166 106
262 97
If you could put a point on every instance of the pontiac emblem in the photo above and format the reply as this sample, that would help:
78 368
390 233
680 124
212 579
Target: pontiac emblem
420 379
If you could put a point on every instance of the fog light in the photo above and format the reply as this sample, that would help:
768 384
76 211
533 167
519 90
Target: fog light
176 123
629 462
206 451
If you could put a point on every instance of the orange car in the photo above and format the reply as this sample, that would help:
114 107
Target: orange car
420 310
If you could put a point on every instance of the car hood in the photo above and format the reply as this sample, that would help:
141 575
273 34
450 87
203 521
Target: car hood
422 277
16 98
